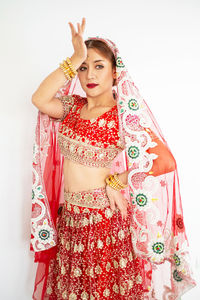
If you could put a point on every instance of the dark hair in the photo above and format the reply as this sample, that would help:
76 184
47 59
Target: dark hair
103 48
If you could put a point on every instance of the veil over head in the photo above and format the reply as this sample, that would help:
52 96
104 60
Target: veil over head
158 232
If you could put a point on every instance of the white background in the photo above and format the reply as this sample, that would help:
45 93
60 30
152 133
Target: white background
159 42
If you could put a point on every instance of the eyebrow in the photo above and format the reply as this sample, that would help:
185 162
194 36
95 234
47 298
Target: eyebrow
94 61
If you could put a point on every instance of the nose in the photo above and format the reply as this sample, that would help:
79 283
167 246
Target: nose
90 73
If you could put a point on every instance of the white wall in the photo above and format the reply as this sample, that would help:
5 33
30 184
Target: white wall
159 42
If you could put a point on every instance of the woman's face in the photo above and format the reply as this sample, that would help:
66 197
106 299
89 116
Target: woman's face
96 69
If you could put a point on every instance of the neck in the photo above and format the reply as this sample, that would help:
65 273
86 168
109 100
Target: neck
103 100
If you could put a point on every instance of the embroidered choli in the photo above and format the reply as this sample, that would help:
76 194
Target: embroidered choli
95 142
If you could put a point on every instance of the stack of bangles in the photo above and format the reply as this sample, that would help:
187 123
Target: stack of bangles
115 183
68 69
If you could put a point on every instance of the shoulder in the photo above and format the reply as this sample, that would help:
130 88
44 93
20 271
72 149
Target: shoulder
73 99
77 99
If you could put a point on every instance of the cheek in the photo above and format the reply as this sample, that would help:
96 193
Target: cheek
81 78
106 77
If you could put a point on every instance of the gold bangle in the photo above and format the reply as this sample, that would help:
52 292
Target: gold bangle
68 68
71 66
112 179
111 182
67 75
123 186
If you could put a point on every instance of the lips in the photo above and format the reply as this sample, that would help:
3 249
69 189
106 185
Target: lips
91 85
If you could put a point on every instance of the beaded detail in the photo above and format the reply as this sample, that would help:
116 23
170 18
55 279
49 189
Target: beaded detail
95 198
67 102
95 142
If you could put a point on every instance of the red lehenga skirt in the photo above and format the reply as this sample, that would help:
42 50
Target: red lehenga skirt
95 257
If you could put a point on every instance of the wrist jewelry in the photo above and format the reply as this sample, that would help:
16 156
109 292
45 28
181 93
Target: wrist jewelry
68 69
114 182
71 66
113 185
119 181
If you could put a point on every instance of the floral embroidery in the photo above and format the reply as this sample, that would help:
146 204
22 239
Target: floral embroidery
119 62
108 213
64 295
36 193
176 276
98 269
49 290
123 262
84 296
111 124
177 260
77 272
133 104
72 296
121 234
122 290
179 223
116 288
116 265
133 152
99 244
138 279
157 249
108 266
45 233
141 199
106 292
102 122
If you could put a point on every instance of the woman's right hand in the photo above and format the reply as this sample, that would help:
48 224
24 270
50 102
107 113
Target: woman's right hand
80 49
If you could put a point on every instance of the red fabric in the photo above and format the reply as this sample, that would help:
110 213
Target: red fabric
103 130
95 257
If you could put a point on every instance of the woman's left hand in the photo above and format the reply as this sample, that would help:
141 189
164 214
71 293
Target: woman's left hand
117 199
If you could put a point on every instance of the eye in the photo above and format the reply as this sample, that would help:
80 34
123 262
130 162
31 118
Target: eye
82 68
101 67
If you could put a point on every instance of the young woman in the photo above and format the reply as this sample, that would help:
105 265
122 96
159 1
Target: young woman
97 147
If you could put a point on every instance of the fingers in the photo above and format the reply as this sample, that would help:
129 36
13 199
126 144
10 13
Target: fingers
83 24
123 205
117 200
73 31
112 204
80 28
124 212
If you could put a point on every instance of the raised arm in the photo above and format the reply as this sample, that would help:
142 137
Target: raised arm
44 97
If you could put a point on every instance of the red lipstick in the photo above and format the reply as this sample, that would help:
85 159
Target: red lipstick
91 85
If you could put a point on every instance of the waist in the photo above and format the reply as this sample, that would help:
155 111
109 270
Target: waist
93 198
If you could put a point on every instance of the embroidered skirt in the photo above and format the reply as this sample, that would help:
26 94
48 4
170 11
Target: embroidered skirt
95 257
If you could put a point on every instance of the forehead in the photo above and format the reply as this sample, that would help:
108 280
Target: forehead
94 55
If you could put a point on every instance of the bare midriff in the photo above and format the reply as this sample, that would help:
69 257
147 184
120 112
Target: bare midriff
78 177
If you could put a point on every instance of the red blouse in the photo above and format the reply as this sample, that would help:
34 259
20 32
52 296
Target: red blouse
95 142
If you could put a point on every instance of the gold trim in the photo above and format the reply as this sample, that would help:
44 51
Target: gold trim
95 198
86 154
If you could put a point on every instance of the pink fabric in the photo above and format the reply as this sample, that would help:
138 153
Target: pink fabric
158 232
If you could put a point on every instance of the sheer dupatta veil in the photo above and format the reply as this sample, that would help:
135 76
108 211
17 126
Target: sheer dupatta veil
158 232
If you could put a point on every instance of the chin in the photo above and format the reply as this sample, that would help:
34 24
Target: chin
92 92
